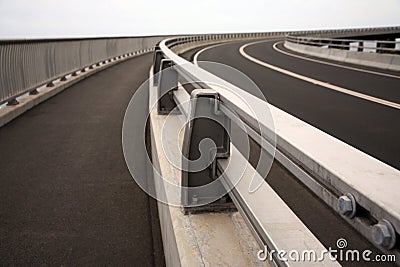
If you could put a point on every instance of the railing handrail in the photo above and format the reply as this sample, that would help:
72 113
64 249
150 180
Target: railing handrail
75 38
230 97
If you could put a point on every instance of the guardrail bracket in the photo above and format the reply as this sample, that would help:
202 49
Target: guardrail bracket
157 57
205 122
12 102
168 82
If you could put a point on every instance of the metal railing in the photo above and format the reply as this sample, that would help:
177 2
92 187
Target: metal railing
28 64
320 179
377 46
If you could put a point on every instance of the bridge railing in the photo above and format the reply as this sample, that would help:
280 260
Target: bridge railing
323 169
28 64
375 46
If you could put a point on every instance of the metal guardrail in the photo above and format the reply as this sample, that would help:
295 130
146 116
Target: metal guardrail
28 64
258 129
379 46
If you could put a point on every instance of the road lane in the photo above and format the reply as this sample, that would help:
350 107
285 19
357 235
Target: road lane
381 72
367 83
67 197
324 84
368 126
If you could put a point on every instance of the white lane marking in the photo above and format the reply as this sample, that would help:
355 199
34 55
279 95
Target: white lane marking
317 82
195 58
333 64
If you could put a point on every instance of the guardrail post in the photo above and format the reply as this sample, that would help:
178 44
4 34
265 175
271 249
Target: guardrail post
205 122
50 84
34 92
157 57
168 82
12 102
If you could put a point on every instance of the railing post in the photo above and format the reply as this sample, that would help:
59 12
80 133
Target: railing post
50 84
34 92
205 122
157 57
12 102
168 82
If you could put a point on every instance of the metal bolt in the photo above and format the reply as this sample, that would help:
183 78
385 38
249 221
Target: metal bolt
384 234
347 205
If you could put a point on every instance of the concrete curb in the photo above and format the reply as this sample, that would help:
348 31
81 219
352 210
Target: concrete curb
381 61
26 102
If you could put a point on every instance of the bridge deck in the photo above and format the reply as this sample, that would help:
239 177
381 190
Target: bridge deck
66 194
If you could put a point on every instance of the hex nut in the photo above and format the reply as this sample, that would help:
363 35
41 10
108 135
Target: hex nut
384 234
347 205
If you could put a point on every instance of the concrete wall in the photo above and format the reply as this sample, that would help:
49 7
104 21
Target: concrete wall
381 61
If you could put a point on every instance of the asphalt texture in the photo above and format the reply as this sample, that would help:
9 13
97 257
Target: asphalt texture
323 222
370 127
67 197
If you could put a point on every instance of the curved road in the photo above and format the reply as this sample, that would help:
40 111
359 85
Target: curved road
367 125
67 197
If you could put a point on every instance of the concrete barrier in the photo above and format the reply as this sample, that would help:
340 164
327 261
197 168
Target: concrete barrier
381 61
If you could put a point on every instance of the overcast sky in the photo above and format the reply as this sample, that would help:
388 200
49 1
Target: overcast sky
39 18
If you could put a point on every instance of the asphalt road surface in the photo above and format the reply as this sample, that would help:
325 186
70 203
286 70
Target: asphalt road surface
369 126
67 197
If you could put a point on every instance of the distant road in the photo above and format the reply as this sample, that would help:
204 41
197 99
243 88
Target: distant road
359 108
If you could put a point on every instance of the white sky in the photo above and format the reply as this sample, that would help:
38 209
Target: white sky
39 18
